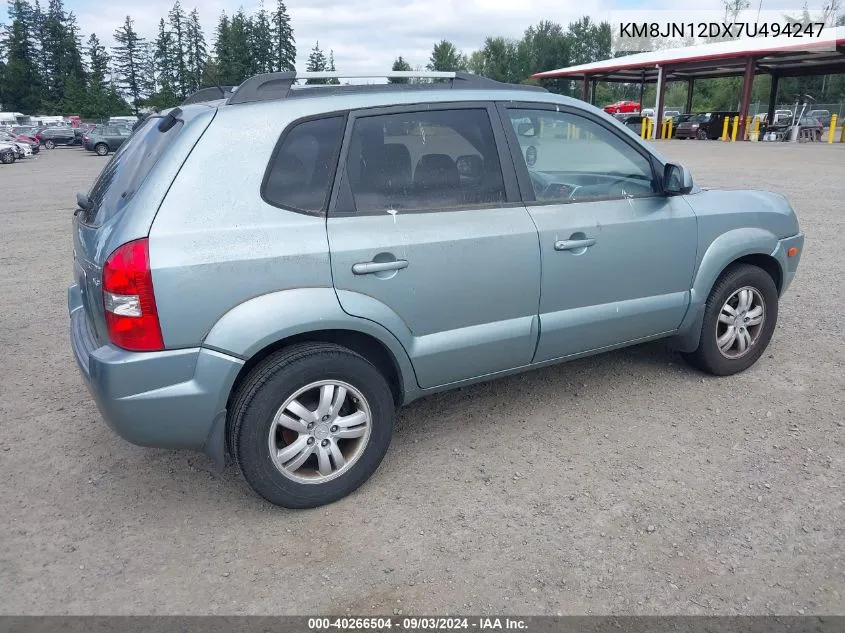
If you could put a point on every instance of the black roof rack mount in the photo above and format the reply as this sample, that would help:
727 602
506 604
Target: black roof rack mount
274 86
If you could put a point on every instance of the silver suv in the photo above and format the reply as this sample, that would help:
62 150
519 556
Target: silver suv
275 291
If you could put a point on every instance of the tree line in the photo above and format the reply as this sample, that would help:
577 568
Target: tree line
46 67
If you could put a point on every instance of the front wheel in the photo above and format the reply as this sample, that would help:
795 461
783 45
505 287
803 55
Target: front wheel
701 135
310 424
739 321
101 148
7 158
50 144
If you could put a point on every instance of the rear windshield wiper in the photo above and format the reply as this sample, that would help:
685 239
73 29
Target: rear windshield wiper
170 120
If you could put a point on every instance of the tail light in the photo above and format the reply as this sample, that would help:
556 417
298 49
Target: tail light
129 301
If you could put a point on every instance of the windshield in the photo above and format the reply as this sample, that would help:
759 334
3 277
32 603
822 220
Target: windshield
126 171
702 118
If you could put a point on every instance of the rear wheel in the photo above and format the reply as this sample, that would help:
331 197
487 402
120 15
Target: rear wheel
50 144
101 148
739 321
310 424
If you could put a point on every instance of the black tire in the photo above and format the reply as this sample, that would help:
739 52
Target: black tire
701 135
50 144
7 158
266 389
708 357
101 149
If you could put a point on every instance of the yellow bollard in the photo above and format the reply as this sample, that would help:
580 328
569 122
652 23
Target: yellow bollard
735 129
832 132
725 128
755 136
649 128
643 128
747 127
670 129
842 138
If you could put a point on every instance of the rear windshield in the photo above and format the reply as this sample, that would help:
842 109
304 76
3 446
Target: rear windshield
126 171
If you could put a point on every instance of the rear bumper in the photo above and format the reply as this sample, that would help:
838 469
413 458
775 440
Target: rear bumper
169 399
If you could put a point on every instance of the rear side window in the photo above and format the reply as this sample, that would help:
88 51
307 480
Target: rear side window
301 171
437 159
126 171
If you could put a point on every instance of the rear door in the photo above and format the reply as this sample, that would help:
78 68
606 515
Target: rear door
428 238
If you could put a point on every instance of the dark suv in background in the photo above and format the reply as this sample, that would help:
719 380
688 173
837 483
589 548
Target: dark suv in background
704 125
50 137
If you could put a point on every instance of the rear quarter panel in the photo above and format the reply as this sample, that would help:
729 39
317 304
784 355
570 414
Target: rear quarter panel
216 243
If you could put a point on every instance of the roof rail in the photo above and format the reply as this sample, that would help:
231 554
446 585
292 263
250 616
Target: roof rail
209 94
273 86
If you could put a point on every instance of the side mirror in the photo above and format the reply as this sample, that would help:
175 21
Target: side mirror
676 179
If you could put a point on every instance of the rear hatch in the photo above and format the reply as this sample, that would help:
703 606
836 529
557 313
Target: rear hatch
122 203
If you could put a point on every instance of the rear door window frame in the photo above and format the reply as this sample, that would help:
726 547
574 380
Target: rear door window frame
342 191
335 158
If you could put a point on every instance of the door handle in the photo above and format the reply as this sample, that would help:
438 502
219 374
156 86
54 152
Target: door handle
368 268
574 245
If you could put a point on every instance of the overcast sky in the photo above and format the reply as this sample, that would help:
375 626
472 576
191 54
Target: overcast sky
369 34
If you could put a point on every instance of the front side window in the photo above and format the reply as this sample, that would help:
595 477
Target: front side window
574 159
436 159
301 170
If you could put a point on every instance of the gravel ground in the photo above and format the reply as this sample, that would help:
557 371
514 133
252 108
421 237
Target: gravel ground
624 483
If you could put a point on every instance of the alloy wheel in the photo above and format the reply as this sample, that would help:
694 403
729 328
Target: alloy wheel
740 322
320 432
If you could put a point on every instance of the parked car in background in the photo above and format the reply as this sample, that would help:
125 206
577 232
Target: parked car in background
671 114
51 137
632 121
104 139
29 141
622 107
277 299
703 125
822 116
8 153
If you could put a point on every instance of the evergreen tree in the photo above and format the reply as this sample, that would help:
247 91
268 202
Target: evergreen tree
445 57
179 48
96 100
330 67
400 65
61 57
20 90
98 63
239 48
283 43
163 59
130 63
261 42
197 52
316 63
221 66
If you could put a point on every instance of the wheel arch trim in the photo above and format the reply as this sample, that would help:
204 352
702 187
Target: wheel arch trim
727 249
267 320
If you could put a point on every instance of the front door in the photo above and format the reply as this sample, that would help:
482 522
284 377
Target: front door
428 238
617 255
